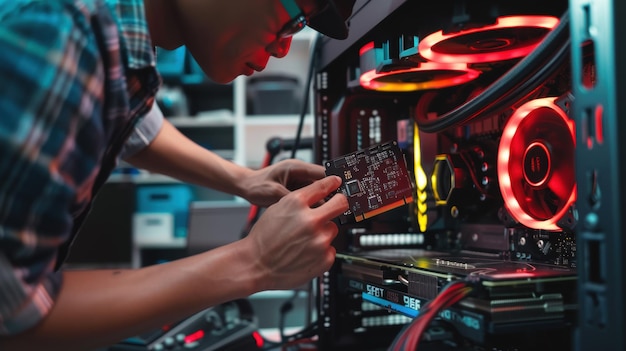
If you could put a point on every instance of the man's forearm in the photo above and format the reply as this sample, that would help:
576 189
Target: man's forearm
173 154
98 308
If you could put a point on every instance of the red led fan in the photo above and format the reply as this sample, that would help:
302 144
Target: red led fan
536 164
509 38
413 76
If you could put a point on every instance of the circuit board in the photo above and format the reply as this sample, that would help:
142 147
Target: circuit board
375 180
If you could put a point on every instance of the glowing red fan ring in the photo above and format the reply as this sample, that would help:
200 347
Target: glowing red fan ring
504 154
427 44
372 80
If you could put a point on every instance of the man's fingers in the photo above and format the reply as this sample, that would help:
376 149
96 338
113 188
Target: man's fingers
320 189
332 208
308 172
315 193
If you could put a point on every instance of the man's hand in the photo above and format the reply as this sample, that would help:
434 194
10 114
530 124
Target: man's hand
292 239
266 186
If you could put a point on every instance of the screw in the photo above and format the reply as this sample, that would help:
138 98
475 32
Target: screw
454 212
540 244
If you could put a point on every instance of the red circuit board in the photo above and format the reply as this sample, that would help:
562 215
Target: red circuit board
375 180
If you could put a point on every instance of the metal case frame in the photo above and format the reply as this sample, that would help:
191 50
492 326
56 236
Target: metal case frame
600 170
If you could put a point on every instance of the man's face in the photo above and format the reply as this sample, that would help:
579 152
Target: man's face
236 41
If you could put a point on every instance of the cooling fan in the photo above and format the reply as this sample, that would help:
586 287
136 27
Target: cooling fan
382 70
510 37
536 164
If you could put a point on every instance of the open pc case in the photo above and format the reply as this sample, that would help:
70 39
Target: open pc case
507 115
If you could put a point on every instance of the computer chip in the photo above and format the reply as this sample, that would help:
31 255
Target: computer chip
375 180
352 188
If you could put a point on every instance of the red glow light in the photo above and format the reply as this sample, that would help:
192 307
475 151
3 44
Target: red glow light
511 173
453 74
420 76
428 46
258 339
599 112
195 336
367 47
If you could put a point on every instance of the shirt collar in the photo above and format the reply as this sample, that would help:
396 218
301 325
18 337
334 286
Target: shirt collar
134 35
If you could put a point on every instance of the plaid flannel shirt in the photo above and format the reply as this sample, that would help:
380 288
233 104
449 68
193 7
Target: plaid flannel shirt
75 78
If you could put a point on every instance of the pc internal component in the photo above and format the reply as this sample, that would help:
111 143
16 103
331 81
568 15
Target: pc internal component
375 180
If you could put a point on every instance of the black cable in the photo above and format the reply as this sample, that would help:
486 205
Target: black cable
307 90
529 85
296 145
520 80
284 309
311 329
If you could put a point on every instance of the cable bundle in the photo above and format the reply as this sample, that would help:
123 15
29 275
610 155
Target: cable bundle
409 337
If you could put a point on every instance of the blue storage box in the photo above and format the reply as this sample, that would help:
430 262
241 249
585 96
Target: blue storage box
174 199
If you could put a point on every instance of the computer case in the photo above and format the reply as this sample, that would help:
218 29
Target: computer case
507 114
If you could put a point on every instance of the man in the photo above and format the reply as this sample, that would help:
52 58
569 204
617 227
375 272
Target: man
77 86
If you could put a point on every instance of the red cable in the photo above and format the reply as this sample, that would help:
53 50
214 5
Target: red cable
410 337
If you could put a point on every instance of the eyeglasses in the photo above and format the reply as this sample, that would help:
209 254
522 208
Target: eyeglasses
298 19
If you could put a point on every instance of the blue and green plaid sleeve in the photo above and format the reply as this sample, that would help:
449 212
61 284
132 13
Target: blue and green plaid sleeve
51 92
58 61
